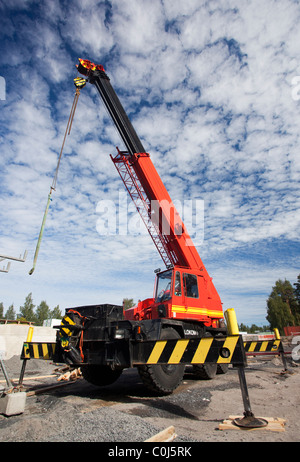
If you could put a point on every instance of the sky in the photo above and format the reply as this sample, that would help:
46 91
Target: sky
213 91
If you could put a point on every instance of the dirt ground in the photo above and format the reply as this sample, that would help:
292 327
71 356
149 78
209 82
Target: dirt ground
127 412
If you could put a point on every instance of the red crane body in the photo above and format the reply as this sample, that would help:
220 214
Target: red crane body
184 291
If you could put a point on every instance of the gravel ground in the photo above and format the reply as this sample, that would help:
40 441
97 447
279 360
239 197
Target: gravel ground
73 413
126 412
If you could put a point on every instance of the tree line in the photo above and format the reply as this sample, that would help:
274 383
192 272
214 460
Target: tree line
27 312
254 329
283 309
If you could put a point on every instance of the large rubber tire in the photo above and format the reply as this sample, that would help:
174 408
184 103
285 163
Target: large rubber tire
160 378
100 375
205 371
222 369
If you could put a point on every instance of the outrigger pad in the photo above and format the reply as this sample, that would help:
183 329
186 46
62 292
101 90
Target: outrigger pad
250 421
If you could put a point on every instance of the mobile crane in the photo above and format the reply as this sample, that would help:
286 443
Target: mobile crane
105 339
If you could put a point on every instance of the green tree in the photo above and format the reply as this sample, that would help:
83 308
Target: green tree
128 303
281 305
10 313
297 295
243 328
42 313
56 313
254 328
27 310
1 310
297 289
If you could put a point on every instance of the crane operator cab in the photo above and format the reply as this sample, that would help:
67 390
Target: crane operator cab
183 294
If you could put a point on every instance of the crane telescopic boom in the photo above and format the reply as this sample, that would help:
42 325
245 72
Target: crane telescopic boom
155 206
179 244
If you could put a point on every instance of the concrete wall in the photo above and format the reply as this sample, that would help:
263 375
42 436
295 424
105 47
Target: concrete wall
12 337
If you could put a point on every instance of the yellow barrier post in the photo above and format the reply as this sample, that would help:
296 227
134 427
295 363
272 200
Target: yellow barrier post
249 420
276 332
231 322
28 340
283 358
30 334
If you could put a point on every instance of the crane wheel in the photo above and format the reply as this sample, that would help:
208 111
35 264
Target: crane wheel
100 375
205 371
222 368
163 379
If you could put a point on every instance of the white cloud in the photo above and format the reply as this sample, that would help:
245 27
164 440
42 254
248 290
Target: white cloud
142 22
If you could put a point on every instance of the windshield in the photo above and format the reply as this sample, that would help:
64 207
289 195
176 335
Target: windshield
163 286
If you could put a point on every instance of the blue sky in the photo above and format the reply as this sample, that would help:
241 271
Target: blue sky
212 90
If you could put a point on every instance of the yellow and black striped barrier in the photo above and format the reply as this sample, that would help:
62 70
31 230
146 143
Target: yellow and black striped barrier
266 347
224 350
262 346
220 350
38 350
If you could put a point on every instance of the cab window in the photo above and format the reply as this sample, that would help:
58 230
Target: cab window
177 286
163 287
190 285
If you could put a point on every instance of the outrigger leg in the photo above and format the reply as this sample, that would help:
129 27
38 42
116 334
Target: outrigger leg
249 420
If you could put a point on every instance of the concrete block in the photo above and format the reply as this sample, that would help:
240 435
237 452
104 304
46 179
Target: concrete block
12 337
13 403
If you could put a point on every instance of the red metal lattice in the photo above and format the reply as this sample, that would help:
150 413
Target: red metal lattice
142 204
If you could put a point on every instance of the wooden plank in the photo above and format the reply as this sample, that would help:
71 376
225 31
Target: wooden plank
49 387
168 434
38 377
275 424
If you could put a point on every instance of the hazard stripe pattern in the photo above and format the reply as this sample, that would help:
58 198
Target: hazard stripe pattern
193 351
261 346
38 350
66 321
